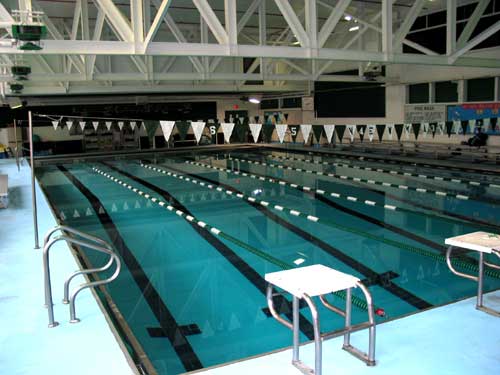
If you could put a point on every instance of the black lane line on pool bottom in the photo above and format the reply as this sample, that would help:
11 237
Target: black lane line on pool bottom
243 267
168 324
403 294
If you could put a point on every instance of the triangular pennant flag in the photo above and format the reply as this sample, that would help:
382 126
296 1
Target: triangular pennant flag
182 128
197 130
255 130
88 212
133 124
416 129
317 131
281 130
151 127
441 126
371 132
294 131
95 124
329 130
425 129
472 125
399 130
268 130
227 129
241 130
82 125
433 127
457 126
120 125
69 124
55 124
340 130
361 131
166 128
381 130
407 128
352 131
464 124
213 129
108 125
306 130
76 213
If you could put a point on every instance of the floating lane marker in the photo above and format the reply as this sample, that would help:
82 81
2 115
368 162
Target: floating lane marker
390 171
332 194
362 180
204 225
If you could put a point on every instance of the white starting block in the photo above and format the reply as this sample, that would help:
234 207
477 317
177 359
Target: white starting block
484 243
318 280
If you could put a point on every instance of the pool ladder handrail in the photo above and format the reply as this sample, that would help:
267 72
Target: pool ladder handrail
85 240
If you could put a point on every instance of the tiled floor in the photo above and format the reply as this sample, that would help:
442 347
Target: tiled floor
27 346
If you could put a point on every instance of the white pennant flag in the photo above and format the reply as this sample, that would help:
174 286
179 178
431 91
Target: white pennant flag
132 125
457 126
255 130
486 123
82 125
441 126
371 132
425 129
306 130
227 129
472 125
281 130
69 124
407 128
198 129
108 125
55 124
95 124
352 131
390 130
167 127
120 125
329 130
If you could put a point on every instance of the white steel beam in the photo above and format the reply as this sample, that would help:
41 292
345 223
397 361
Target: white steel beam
293 21
99 24
160 14
137 17
212 21
387 27
451 26
116 19
231 22
476 40
472 23
410 18
332 21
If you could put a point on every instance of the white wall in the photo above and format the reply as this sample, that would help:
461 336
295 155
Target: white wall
4 138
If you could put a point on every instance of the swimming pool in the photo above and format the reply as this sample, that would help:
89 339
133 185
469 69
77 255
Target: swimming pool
197 232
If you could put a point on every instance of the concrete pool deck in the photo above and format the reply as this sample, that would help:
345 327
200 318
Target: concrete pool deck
27 345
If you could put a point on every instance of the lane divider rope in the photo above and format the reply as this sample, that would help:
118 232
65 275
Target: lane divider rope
390 171
403 246
357 179
356 301
336 195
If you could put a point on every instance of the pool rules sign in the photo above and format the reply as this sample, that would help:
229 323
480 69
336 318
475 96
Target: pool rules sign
424 113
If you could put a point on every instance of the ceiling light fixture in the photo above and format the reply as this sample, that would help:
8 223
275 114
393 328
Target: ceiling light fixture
354 28
254 100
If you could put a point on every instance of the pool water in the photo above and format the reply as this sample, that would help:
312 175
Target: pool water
194 297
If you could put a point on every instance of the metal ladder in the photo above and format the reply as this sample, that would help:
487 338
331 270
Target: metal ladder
81 239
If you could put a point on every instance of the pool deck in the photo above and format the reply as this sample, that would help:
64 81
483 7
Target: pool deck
450 340
27 345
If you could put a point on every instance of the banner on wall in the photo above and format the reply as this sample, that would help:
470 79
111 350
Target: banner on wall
418 113
473 111
255 130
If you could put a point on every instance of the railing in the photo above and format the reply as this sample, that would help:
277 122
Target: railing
81 239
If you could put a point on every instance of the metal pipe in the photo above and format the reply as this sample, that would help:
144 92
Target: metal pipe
371 320
296 323
318 355
33 191
480 280
16 149
330 306
270 304
450 266
348 312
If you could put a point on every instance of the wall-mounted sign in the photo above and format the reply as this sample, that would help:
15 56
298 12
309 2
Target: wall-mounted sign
473 111
308 103
424 113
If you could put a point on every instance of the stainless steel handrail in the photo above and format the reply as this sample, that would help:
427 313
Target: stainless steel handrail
88 241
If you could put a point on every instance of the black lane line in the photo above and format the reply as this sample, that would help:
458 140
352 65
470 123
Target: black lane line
402 200
243 267
384 160
171 329
351 262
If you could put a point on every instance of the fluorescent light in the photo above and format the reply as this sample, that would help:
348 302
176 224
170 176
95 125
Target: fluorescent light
354 28
296 43
16 106
254 100
347 17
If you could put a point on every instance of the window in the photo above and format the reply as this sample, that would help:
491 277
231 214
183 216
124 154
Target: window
446 92
418 93
480 89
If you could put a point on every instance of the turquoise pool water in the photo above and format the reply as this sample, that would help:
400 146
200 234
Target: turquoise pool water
194 297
